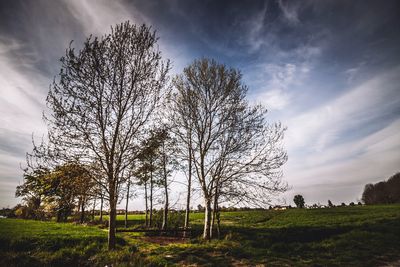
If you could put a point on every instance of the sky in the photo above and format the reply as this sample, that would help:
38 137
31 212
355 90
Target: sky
328 70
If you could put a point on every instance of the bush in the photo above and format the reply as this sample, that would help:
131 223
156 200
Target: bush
176 219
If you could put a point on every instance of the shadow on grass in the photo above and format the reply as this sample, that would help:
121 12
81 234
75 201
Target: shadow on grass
370 244
137 223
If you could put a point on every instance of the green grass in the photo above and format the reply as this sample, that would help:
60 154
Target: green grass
36 243
342 236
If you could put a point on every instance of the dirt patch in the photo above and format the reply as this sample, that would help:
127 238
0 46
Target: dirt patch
165 240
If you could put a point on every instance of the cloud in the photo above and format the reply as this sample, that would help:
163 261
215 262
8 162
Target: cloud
22 103
332 155
254 36
276 82
290 11
340 173
21 88
274 99
96 17
303 65
321 126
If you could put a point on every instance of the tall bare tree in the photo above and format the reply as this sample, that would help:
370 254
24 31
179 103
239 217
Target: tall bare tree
235 153
104 98
147 169
128 196
189 180
168 165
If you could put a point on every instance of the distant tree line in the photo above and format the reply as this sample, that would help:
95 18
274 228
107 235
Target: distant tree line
300 203
384 192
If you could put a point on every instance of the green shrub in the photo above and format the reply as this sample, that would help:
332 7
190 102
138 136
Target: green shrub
176 219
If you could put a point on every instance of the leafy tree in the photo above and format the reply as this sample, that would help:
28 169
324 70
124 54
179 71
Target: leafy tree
330 205
65 184
393 188
57 189
147 169
33 192
384 192
299 201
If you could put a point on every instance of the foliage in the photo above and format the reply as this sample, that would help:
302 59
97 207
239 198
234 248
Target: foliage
55 191
176 219
384 192
299 201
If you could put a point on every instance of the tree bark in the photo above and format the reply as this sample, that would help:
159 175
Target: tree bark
207 219
82 219
214 211
127 202
165 214
146 204
58 219
101 207
187 213
94 208
151 195
218 223
212 221
111 223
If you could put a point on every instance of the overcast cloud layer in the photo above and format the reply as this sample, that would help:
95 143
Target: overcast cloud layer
329 70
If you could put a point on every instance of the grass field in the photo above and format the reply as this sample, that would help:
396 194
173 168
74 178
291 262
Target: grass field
342 236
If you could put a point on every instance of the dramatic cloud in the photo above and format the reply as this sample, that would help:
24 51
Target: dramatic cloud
329 70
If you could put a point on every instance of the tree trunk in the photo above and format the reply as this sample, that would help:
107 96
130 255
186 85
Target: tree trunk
146 204
58 218
101 207
126 206
218 223
214 212
165 214
151 195
94 208
82 220
212 222
112 217
188 190
207 219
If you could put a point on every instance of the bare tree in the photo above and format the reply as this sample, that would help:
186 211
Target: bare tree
148 157
168 165
189 181
141 173
181 128
235 153
128 196
103 100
